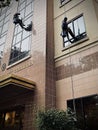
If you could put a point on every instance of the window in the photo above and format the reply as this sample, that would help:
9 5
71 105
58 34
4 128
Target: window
86 111
4 22
77 26
62 2
12 119
22 38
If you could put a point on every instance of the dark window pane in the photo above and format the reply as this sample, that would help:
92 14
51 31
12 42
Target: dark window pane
86 111
12 119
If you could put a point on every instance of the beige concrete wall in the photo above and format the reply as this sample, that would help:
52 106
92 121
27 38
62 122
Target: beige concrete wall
77 78
76 67
71 10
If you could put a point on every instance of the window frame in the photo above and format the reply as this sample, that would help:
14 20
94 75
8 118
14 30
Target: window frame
15 120
5 18
83 108
23 35
80 37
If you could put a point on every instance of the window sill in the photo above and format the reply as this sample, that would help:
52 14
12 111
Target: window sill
11 65
75 43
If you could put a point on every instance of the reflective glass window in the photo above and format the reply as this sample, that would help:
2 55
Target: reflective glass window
77 26
4 22
22 38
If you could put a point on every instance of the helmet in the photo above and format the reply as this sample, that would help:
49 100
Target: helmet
65 19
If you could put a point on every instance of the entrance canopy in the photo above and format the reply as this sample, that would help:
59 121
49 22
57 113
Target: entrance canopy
13 85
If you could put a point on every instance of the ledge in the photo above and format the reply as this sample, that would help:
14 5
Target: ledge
18 62
75 43
59 57
13 85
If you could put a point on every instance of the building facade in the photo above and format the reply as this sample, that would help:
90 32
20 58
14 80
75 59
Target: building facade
26 62
39 68
76 62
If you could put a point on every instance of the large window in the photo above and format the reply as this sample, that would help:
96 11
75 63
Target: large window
22 38
12 119
77 26
4 21
86 111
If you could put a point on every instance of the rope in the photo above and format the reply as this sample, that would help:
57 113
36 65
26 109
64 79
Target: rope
72 85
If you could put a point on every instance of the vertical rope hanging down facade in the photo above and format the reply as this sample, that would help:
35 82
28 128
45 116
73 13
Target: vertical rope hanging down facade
70 60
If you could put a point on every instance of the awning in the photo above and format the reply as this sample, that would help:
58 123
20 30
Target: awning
13 85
